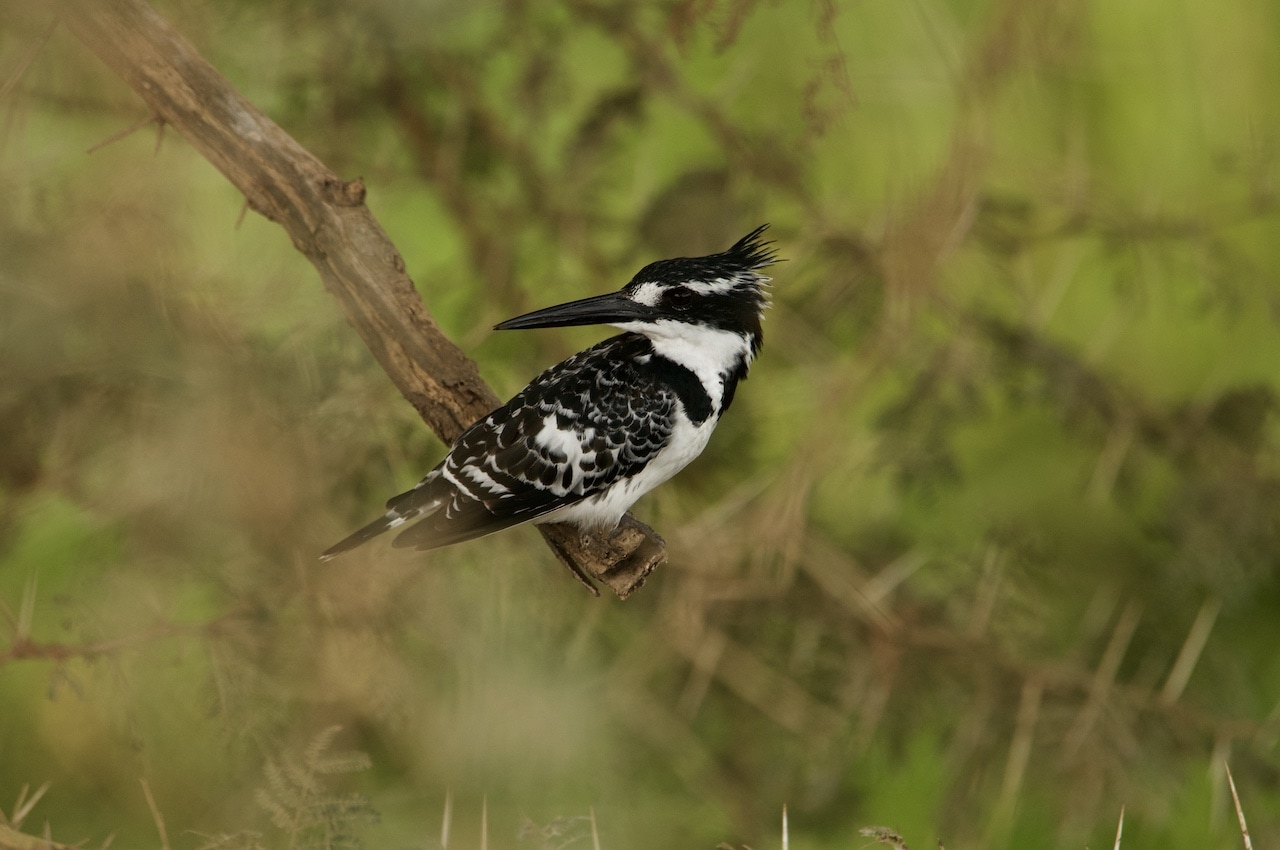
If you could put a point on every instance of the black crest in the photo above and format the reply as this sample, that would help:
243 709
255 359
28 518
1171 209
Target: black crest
746 256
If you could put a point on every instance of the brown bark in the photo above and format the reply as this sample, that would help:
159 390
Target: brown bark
329 223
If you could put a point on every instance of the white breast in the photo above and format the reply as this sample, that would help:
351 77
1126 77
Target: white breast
709 353
603 510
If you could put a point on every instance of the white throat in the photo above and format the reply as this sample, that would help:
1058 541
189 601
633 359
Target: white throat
709 353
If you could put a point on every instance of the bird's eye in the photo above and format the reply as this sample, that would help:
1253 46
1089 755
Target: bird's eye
680 298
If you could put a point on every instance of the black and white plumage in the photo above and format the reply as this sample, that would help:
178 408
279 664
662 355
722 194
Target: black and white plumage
591 435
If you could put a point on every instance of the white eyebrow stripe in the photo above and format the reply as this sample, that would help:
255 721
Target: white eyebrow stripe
650 292
718 286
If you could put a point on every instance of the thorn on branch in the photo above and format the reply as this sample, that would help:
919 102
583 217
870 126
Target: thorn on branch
150 118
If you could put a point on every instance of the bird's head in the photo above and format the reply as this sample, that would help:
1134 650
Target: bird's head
687 298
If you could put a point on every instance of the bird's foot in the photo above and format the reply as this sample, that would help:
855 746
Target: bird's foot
622 559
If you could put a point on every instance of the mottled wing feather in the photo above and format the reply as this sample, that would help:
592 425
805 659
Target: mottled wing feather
575 430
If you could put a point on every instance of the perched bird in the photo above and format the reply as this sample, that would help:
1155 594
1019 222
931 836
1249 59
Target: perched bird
591 435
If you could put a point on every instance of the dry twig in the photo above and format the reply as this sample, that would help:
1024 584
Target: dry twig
1235 798
155 813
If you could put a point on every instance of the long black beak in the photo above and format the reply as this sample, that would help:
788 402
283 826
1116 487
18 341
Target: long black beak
598 310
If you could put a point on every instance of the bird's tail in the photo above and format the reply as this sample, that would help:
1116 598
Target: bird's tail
414 504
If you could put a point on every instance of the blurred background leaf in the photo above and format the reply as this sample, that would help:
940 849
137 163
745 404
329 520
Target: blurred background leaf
989 547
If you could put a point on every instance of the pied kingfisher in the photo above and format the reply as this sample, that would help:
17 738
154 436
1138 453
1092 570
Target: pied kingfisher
589 436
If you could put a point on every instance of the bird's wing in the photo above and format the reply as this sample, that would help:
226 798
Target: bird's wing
575 430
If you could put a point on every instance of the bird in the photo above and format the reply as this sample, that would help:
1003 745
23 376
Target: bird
591 435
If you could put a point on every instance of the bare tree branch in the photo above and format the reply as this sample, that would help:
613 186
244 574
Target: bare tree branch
328 222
